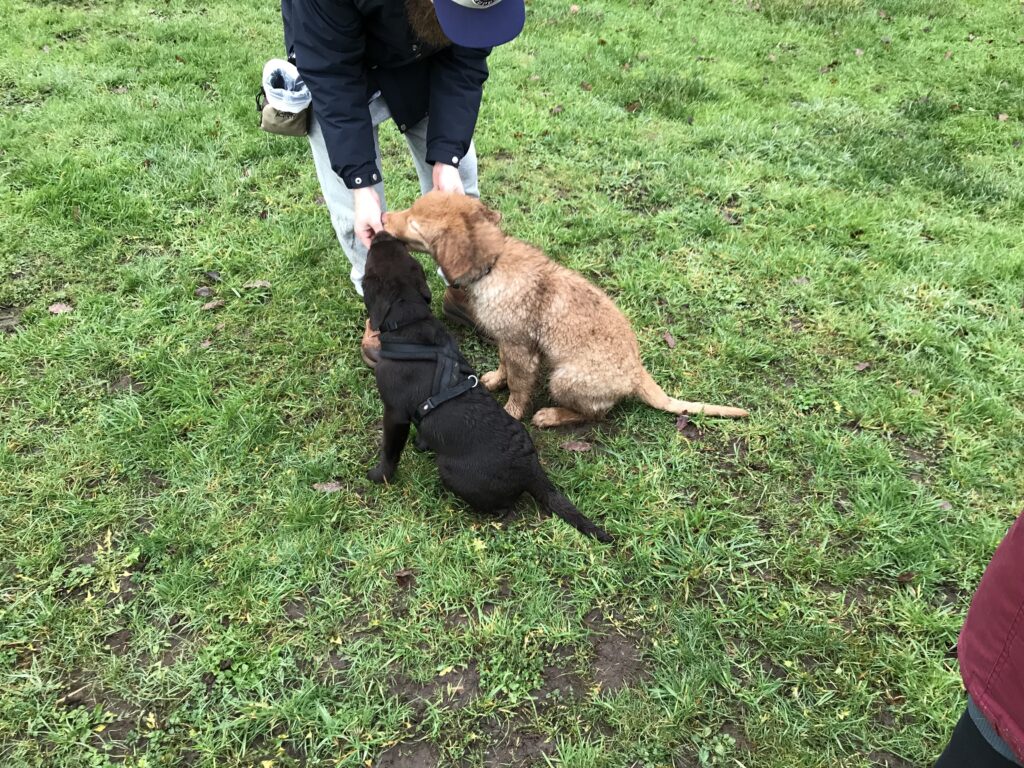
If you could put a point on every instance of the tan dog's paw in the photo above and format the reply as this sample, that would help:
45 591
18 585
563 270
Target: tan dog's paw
515 409
556 417
494 380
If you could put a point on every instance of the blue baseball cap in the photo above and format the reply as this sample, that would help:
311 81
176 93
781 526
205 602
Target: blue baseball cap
481 23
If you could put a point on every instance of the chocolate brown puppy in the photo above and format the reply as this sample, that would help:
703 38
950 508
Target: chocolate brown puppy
537 311
483 455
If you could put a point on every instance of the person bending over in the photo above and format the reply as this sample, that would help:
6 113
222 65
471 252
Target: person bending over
368 61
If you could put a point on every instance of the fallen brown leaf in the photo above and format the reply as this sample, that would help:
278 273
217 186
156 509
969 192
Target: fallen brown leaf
332 486
577 446
203 292
634 106
861 367
574 9
213 275
206 344
557 109
60 308
257 284
1002 117
687 429
586 86
215 304
669 339
944 505
906 577
858 52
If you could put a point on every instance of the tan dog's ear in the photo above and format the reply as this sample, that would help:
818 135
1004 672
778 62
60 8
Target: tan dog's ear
453 252
418 231
492 216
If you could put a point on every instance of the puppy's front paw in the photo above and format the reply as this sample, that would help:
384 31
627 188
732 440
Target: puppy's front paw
546 417
381 474
493 381
515 409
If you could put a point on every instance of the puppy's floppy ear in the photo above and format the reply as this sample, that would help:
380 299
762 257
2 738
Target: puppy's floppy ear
453 251
491 215
420 278
377 303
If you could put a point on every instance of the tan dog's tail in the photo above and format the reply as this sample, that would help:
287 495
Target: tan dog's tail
655 396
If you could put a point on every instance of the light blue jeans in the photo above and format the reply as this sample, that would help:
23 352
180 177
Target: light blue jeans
339 199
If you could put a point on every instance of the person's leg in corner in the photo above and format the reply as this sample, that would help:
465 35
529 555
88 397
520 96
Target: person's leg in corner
968 748
338 199
454 303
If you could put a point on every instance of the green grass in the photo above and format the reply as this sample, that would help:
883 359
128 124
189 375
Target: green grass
784 590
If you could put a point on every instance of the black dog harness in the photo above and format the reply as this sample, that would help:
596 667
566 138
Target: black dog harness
452 376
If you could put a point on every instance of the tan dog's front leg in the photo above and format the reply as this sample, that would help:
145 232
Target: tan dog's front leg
495 380
521 367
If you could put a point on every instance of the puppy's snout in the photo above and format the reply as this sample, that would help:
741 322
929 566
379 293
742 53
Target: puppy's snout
382 236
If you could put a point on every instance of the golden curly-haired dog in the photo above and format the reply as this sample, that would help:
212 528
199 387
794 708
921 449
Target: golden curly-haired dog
537 311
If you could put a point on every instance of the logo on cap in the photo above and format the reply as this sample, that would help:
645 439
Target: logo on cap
477 4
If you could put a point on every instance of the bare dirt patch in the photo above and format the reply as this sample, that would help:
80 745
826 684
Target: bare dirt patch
618 662
509 747
114 732
452 690
739 736
419 754
9 317
125 383
332 666
464 616
560 684
119 642
880 759
178 641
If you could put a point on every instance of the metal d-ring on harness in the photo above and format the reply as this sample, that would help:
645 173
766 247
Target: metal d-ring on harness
452 377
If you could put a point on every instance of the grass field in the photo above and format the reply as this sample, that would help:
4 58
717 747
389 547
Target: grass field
819 200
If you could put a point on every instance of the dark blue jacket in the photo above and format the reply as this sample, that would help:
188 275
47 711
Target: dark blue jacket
346 50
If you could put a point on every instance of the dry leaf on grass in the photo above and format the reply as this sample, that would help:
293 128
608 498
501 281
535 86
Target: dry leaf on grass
332 486
577 446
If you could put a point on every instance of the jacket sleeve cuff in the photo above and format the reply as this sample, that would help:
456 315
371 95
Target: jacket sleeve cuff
357 177
444 152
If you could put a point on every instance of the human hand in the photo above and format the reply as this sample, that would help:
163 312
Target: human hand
447 179
366 204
